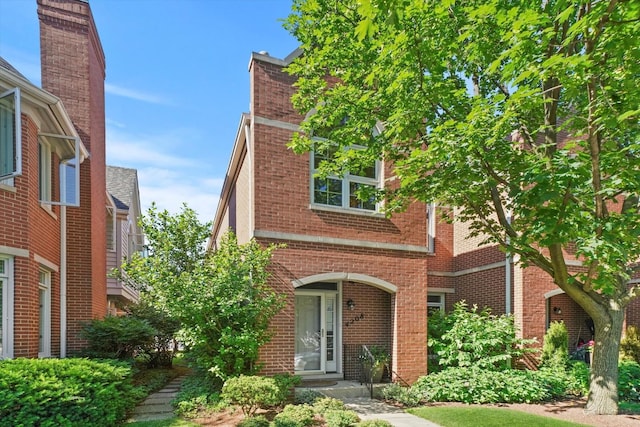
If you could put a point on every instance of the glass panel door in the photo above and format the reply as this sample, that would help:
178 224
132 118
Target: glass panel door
308 333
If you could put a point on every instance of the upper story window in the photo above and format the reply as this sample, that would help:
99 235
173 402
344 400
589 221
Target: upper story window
342 192
10 135
435 302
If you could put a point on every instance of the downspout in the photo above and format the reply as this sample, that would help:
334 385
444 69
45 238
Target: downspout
507 275
251 207
63 282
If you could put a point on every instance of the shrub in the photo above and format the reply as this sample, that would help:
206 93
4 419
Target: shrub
117 337
286 383
306 396
630 344
160 351
578 373
325 404
478 338
629 381
295 415
476 385
407 396
257 421
555 348
340 418
65 392
197 393
374 423
251 392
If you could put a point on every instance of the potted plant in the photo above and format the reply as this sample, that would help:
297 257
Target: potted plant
374 361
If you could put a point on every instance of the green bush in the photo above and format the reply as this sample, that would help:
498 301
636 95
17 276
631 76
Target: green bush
307 396
198 392
555 348
630 344
476 385
159 353
295 415
257 421
341 418
65 392
629 381
478 338
578 373
117 337
325 404
251 392
286 384
407 396
374 423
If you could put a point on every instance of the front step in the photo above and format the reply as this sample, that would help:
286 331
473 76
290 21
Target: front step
346 390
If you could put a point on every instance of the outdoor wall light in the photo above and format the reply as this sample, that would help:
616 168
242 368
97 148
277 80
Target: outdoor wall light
351 304
557 310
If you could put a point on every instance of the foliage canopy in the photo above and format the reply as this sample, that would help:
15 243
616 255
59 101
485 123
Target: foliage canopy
521 115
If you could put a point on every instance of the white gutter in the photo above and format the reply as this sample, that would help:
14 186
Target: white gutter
63 281
251 178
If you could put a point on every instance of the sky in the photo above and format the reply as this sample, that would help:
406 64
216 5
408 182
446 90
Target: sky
176 84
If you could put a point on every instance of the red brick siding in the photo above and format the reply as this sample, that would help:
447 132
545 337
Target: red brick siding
405 270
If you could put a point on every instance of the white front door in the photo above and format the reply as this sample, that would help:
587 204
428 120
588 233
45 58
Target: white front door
316 349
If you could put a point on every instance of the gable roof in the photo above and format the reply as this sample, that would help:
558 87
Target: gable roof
5 64
121 185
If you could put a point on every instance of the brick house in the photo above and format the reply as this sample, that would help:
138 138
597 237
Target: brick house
351 276
53 191
124 235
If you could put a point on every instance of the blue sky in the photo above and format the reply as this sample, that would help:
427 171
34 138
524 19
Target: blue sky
177 82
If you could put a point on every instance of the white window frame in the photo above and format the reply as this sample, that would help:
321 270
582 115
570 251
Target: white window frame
7 294
440 305
44 172
69 174
13 170
44 313
346 182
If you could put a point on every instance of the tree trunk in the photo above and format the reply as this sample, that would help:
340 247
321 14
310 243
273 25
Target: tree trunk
603 390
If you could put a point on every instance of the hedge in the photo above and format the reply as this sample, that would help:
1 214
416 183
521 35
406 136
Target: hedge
65 392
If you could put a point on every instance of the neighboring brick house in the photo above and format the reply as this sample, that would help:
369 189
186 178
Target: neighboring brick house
52 202
350 275
124 235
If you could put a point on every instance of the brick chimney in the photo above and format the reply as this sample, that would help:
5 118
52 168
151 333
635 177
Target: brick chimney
73 69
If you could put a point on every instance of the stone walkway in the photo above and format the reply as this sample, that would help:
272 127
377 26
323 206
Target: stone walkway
157 406
371 409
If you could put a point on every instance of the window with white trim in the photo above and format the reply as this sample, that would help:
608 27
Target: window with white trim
44 323
435 302
342 192
6 308
10 136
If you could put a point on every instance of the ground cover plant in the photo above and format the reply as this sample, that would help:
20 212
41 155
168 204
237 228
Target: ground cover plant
66 392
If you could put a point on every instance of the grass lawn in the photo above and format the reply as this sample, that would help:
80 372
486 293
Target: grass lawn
172 422
485 417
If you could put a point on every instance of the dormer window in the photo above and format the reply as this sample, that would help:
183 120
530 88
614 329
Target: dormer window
342 192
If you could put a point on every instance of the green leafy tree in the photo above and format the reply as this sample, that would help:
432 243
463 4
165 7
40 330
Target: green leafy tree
520 115
221 298
477 338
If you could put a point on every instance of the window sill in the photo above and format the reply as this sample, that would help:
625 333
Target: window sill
350 211
9 188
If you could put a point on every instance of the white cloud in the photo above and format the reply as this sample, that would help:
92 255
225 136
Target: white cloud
134 94
164 178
